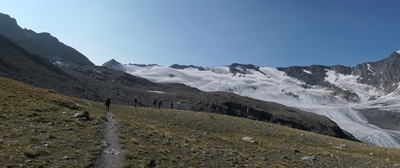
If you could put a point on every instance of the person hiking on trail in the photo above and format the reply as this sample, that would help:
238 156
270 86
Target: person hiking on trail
135 102
107 103
159 104
155 103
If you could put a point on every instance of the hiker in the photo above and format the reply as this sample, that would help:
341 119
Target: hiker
172 105
107 104
159 104
135 102
155 103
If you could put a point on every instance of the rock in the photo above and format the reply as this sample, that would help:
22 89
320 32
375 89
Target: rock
308 158
83 116
248 139
296 151
341 146
151 164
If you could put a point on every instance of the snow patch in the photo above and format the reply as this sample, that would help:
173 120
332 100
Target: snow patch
306 71
370 69
154 91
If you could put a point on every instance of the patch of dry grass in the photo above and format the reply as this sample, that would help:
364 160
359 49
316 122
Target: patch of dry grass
36 130
176 138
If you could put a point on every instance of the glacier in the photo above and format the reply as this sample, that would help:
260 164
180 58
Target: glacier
270 84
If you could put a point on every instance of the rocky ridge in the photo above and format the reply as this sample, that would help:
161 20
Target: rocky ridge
42 44
382 74
176 66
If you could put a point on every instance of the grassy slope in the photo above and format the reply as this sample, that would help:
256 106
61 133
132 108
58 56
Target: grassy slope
182 139
35 130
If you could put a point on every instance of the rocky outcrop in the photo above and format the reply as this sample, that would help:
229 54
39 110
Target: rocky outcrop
381 74
81 116
42 44
314 74
236 68
343 94
177 66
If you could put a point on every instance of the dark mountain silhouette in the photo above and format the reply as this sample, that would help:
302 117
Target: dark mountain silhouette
41 44
97 83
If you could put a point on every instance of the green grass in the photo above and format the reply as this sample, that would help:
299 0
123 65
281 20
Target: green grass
36 130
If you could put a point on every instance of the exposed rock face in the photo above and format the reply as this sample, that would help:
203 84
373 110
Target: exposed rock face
42 44
314 74
344 94
381 74
176 66
236 68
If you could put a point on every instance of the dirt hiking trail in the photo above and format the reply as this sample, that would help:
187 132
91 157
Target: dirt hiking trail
112 155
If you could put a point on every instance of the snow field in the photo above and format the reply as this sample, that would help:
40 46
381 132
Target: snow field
276 86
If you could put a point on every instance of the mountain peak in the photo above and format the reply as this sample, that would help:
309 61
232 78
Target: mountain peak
381 74
113 64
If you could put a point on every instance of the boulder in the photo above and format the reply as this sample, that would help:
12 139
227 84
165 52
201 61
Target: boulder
82 116
248 139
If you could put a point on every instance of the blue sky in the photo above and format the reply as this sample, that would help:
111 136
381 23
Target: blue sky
270 33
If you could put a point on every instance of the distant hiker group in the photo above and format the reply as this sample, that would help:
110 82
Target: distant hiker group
156 104
159 103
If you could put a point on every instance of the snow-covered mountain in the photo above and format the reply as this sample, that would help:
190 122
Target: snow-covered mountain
363 100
